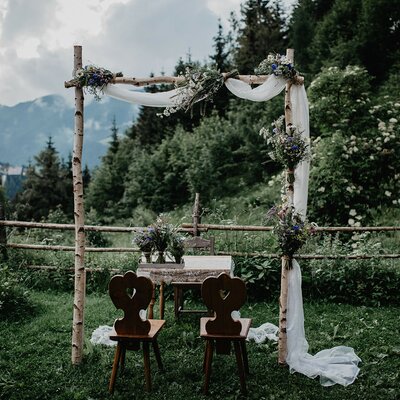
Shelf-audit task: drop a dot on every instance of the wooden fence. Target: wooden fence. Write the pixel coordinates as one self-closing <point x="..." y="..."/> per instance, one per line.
<point x="194" y="228"/>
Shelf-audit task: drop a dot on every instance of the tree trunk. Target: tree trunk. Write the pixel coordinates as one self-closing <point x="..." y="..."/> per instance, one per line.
<point x="80" y="273"/>
<point x="285" y="271"/>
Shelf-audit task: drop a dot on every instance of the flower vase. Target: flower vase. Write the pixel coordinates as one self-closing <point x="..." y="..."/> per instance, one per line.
<point x="178" y="259"/>
<point x="161" y="258"/>
<point x="147" y="256"/>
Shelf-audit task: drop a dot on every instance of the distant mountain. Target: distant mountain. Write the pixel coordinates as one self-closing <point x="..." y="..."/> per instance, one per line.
<point x="26" y="127"/>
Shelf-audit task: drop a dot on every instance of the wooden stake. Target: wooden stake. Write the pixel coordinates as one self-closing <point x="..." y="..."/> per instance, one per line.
<point x="196" y="214"/>
<point x="80" y="273"/>
<point x="286" y="262"/>
<point x="3" y="233"/>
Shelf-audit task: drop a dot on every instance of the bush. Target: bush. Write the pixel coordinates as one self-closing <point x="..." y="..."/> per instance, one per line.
<point x="14" y="298"/>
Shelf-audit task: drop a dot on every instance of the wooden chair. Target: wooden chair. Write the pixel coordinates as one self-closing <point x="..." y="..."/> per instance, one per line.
<point x="133" y="294"/>
<point x="224" y="295"/>
<point x="196" y="243"/>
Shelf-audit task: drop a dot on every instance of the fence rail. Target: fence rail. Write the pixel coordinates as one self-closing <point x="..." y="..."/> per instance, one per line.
<point x="190" y="228"/>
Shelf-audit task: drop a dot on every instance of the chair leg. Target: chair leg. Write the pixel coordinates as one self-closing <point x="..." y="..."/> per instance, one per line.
<point x="178" y="300"/>
<point x="244" y="356"/>
<point x="157" y="354"/>
<point x="239" y="361"/>
<point x="208" y="362"/>
<point x="146" y="362"/>
<point x="115" y="368"/>
<point x="122" y="358"/>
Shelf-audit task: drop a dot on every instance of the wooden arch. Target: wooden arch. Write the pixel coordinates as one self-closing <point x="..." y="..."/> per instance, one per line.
<point x="79" y="217"/>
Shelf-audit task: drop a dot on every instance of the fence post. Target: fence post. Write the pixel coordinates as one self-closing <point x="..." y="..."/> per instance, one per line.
<point x="196" y="215"/>
<point x="3" y="234"/>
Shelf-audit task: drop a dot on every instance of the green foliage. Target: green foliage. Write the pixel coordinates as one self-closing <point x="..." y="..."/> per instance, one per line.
<point x="355" y="165"/>
<point x="261" y="29"/>
<point x="15" y="302"/>
<point x="48" y="184"/>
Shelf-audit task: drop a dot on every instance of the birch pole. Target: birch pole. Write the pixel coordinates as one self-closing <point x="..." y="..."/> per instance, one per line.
<point x="80" y="272"/>
<point x="286" y="261"/>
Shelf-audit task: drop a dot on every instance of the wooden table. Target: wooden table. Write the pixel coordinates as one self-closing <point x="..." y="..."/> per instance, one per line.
<point x="193" y="270"/>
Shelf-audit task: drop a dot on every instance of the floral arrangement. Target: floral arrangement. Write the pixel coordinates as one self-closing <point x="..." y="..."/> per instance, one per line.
<point x="177" y="247"/>
<point x="143" y="239"/>
<point x="277" y="65"/>
<point x="160" y="233"/>
<point x="200" y="83"/>
<point x="291" y="228"/>
<point x="288" y="147"/>
<point x="94" y="79"/>
<point x="159" y="237"/>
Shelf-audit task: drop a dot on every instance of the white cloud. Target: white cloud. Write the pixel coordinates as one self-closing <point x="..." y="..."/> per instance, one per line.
<point x="133" y="36"/>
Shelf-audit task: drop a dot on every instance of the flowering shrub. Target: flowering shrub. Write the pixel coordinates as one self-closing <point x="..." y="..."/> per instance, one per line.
<point x="94" y="79"/>
<point x="277" y="65"/>
<point x="288" y="146"/>
<point x="355" y="171"/>
<point x="200" y="83"/>
<point x="291" y="229"/>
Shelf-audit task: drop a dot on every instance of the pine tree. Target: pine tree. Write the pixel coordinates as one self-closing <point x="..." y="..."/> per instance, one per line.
<point x="106" y="187"/>
<point x="48" y="185"/>
<point x="261" y="31"/>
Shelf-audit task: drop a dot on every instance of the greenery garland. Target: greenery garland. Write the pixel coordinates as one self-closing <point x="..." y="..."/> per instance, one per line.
<point x="278" y="65"/>
<point x="291" y="228"/>
<point x="288" y="147"/>
<point x="199" y="84"/>
<point x="93" y="79"/>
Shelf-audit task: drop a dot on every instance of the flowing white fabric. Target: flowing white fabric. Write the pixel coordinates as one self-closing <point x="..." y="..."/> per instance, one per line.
<point x="300" y="116"/>
<point x="269" y="89"/>
<point x="336" y="365"/>
<point x="159" y="99"/>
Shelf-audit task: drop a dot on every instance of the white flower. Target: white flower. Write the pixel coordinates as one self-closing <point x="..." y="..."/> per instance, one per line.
<point x="387" y="193"/>
<point x="357" y="224"/>
<point x="359" y="217"/>
<point x="393" y="120"/>
<point x="321" y="189"/>
<point x="351" y="221"/>
<point x="352" y="212"/>
<point x="355" y="149"/>
<point x="349" y="189"/>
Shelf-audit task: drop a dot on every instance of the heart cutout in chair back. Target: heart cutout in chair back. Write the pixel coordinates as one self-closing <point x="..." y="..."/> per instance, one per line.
<point x="131" y="291"/>
<point x="224" y="293"/>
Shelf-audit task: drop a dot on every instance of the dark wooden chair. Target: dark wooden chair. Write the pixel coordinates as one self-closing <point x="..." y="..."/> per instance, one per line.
<point x="224" y="295"/>
<point x="133" y="294"/>
<point x="196" y="244"/>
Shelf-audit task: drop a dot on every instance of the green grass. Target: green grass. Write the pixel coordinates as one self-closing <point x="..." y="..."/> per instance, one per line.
<point x="35" y="355"/>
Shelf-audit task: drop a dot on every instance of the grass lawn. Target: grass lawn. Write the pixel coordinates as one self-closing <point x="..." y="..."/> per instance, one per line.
<point x="35" y="355"/>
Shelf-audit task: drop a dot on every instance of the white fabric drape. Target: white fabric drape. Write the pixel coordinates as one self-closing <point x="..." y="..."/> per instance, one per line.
<point x="336" y="365"/>
<point x="269" y="89"/>
<point x="160" y="99"/>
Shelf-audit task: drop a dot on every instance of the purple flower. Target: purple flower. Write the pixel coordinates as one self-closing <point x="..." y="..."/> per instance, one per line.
<point x="296" y="228"/>
<point x="274" y="67"/>
<point x="295" y="147"/>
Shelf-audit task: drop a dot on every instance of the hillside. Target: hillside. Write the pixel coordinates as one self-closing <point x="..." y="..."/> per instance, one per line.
<point x="26" y="127"/>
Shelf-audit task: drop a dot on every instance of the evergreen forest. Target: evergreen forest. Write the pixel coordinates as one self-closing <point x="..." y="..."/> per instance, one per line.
<point x="349" y="54"/>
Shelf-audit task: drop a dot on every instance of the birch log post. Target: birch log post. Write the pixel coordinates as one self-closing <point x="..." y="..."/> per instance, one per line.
<point x="80" y="273"/>
<point x="286" y="262"/>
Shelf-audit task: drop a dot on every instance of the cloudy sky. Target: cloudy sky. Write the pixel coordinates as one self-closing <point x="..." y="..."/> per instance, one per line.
<point x="137" y="37"/>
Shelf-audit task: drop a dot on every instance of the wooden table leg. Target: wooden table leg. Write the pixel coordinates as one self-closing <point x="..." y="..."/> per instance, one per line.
<point x="152" y="301"/>
<point x="162" y="301"/>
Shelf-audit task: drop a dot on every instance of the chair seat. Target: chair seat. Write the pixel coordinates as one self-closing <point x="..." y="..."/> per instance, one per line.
<point x="246" y="322"/>
<point x="156" y="325"/>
